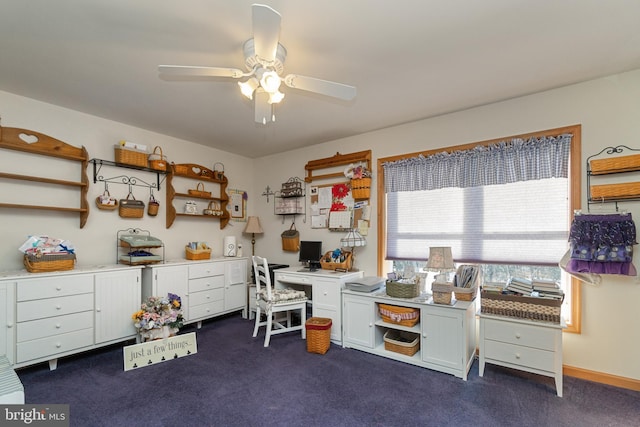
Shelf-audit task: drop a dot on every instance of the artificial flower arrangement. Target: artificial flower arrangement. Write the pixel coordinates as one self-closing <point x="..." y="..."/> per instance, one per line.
<point x="159" y="314"/>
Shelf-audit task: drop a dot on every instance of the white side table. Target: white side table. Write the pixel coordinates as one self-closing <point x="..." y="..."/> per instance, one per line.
<point x="526" y="345"/>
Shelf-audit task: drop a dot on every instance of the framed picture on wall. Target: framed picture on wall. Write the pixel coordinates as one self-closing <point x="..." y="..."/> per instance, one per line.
<point x="237" y="205"/>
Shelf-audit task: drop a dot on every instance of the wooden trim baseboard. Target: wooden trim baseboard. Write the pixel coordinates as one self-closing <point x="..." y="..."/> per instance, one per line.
<point x="600" y="377"/>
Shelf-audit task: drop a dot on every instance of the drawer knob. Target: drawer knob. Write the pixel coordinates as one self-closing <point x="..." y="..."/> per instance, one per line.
<point x="518" y="335"/>
<point x="58" y="325"/>
<point x="58" y="288"/>
<point x="371" y="325"/>
<point x="326" y="293"/>
<point x="517" y="355"/>
<point x="58" y="345"/>
<point x="58" y="307"/>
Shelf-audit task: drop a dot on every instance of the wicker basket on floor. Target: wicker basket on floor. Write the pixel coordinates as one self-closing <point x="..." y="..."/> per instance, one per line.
<point x="318" y="330"/>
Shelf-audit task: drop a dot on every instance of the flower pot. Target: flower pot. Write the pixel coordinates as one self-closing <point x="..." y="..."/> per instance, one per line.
<point x="157" y="333"/>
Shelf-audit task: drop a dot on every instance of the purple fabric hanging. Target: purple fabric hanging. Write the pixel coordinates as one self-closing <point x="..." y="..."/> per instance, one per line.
<point x="602" y="244"/>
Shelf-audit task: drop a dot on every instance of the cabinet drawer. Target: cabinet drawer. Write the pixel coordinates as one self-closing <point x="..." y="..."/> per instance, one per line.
<point x="50" y="346"/>
<point x="519" y="334"/>
<point x="519" y="355"/>
<point x="205" y="310"/>
<point x="206" y="283"/>
<point x="32" y="289"/>
<point x="204" y="297"/>
<point x="40" y="309"/>
<point x="206" y="269"/>
<point x="326" y="295"/>
<point x="41" y="328"/>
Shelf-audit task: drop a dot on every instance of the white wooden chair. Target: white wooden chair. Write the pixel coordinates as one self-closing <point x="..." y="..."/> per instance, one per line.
<point x="270" y="302"/>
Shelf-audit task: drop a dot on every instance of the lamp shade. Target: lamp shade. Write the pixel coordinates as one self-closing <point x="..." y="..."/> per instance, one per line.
<point x="440" y="259"/>
<point x="353" y="239"/>
<point x="253" y="225"/>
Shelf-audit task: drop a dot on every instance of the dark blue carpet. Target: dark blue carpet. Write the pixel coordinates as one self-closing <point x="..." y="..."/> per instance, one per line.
<point x="234" y="381"/>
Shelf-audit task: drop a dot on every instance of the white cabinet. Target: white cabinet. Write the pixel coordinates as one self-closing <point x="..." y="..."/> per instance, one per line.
<point x="324" y="288"/>
<point x="447" y="333"/>
<point x="522" y="344"/>
<point x="207" y="288"/>
<point x="117" y="297"/>
<point x="359" y="320"/>
<point x="7" y="321"/>
<point x="235" y="288"/>
<point x="63" y="313"/>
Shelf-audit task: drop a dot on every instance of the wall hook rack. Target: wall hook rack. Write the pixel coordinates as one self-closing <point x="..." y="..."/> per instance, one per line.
<point x="98" y="163"/>
<point x="127" y="180"/>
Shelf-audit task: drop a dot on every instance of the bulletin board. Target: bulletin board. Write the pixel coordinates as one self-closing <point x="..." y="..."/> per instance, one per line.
<point x="357" y="213"/>
<point x="237" y="205"/>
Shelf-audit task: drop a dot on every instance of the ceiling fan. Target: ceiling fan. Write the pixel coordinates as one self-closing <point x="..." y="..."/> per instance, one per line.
<point x="264" y="59"/>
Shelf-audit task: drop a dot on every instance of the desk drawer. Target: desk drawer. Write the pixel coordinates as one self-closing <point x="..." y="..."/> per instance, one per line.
<point x="31" y="310"/>
<point x="206" y="283"/>
<point x="292" y="278"/>
<point x="41" y="328"/>
<point x="206" y="310"/>
<point x="50" y="346"/>
<point x="49" y="287"/>
<point x="519" y="355"/>
<point x="206" y="269"/>
<point x="540" y="337"/>
<point x="326" y="295"/>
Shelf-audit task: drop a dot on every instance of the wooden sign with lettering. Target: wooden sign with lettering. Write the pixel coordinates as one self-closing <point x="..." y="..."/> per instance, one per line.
<point x="157" y="351"/>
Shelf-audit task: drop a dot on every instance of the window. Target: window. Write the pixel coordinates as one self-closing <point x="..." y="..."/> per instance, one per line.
<point x="512" y="219"/>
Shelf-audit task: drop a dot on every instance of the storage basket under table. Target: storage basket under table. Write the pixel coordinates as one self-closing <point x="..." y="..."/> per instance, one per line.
<point x="402" y="342"/>
<point x="402" y="290"/>
<point x="405" y="316"/>
<point x="521" y="307"/>
<point x="318" y="330"/>
<point x="46" y="263"/>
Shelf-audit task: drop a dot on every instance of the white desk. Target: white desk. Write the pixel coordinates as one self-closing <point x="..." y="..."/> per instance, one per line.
<point x="324" y="288"/>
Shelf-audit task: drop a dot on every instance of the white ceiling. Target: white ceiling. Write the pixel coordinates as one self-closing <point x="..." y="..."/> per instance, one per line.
<point x="409" y="59"/>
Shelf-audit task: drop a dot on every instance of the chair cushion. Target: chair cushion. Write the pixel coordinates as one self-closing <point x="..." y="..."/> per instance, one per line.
<point x="282" y="295"/>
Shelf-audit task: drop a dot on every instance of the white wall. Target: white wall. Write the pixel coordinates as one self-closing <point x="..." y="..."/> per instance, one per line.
<point x="96" y="242"/>
<point x="608" y="110"/>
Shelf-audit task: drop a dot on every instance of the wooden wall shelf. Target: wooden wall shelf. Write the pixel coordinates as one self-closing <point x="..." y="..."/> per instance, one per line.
<point x="32" y="142"/>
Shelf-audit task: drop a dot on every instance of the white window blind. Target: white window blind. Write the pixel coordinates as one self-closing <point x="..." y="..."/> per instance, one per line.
<point x="517" y="223"/>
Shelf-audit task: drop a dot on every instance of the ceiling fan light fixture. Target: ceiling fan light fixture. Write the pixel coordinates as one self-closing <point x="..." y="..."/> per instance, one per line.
<point x="270" y="81"/>
<point x="275" y="97"/>
<point x="248" y="87"/>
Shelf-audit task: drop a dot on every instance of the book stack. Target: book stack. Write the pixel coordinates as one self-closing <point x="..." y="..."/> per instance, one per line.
<point x="520" y="286"/>
<point x="547" y="289"/>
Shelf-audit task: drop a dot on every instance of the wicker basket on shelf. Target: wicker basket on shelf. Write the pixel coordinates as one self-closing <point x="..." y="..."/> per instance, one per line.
<point x="46" y="263"/>
<point x="402" y="290"/>
<point x="129" y="156"/>
<point x="401" y="342"/>
<point x="157" y="159"/>
<point x="442" y="292"/>
<point x="405" y="316"/>
<point x="197" y="254"/>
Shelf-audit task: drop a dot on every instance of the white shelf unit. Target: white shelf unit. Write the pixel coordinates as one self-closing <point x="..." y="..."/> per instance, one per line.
<point x="447" y="332"/>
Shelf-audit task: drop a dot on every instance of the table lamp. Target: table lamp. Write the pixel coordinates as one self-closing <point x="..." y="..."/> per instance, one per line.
<point x="441" y="261"/>
<point x="253" y="227"/>
<point x="351" y="240"/>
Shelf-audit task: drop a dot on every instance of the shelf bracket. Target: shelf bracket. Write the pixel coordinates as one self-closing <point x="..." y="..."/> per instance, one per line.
<point x="131" y="180"/>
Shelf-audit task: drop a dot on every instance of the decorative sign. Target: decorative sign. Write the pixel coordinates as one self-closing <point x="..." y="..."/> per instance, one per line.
<point x="157" y="351"/>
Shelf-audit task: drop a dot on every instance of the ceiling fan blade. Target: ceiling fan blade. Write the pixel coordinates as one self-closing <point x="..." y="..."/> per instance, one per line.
<point x="324" y="87"/>
<point x="263" y="110"/>
<point x="184" y="70"/>
<point x="266" y="31"/>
